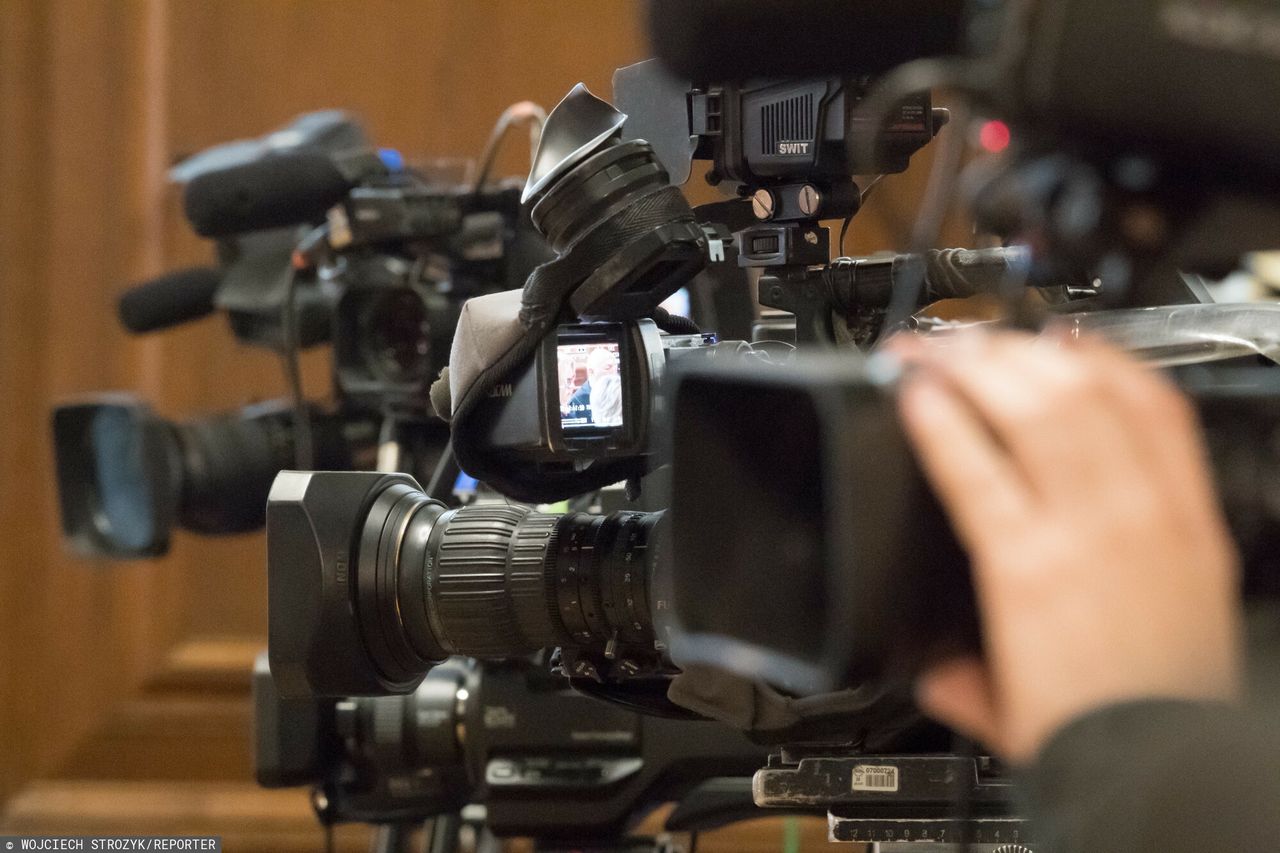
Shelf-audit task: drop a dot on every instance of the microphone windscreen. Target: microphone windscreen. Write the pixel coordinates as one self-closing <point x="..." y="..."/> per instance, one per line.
<point x="277" y="191"/>
<point x="169" y="300"/>
<point x="709" y="41"/>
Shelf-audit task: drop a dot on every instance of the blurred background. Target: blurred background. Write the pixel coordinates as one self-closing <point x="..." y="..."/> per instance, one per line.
<point x="124" y="686"/>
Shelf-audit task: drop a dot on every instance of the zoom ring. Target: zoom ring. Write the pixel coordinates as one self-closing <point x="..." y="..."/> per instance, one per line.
<point x="488" y="580"/>
<point x="529" y="550"/>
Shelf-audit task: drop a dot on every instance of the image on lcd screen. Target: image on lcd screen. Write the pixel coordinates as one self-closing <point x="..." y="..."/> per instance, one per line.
<point x="590" y="382"/>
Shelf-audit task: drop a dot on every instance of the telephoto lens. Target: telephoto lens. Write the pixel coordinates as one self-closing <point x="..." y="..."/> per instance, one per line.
<point x="371" y="582"/>
<point x="126" y="475"/>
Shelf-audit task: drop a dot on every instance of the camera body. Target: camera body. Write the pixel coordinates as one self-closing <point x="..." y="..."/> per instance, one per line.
<point x="404" y="258"/>
<point x="545" y="761"/>
<point x="589" y="394"/>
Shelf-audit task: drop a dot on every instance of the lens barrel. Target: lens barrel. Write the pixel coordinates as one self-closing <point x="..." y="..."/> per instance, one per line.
<point x="126" y="476"/>
<point x="405" y="734"/>
<point x="496" y="581"/>
<point x="489" y="581"/>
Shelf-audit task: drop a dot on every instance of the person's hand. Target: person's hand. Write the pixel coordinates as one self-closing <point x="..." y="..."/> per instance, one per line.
<point x="1076" y="480"/>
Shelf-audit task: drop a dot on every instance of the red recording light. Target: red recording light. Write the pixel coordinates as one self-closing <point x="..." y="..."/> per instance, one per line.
<point x="995" y="136"/>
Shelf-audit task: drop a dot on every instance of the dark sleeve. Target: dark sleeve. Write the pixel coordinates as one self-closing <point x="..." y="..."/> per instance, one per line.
<point x="1160" y="776"/>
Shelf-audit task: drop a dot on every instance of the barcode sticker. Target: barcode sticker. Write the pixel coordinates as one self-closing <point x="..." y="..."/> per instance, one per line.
<point x="875" y="777"/>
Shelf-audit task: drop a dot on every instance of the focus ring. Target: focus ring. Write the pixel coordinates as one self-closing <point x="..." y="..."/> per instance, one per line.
<point x="479" y="590"/>
<point x="529" y="548"/>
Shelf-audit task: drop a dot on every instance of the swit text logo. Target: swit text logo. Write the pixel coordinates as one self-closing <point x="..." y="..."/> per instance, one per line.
<point x="1235" y="28"/>
<point x="793" y="147"/>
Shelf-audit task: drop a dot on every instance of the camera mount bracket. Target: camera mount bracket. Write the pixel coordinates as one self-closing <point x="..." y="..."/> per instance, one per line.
<point x="901" y="802"/>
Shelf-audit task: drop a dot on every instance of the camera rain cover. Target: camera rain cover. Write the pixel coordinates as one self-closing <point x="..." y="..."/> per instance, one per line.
<point x="492" y="347"/>
<point x="487" y="330"/>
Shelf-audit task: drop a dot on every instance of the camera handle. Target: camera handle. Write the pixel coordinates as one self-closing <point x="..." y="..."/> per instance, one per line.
<point x="902" y="803"/>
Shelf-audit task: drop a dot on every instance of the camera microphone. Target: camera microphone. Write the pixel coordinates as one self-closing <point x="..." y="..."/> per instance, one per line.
<point x="744" y="39"/>
<point x="169" y="300"/>
<point x="277" y="191"/>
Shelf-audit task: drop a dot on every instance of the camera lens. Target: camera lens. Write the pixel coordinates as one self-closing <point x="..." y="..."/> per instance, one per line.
<point x="126" y="476"/>
<point x="124" y="512"/>
<point x="596" y="189"/>
<point x="407" y="734"/>
<point x="396" y="336"/>
<point x="496" y="581"/>
<point x="372" y="582"/>
<point x="377" y="759"/>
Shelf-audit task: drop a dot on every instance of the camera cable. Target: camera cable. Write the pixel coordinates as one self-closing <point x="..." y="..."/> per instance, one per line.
<point x="969" y="77"/>
<point x="523" y="111"/>
<point x="440" y="486"/>
<point x="291" y="356"/>
<point x="862" y="197"/>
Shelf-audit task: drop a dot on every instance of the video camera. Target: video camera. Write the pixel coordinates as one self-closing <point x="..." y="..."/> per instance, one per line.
<point x="544" y="761"/>
<point x="126" y="475"/>
<point x="320" y="239"/>
<point x="551" y="391"/>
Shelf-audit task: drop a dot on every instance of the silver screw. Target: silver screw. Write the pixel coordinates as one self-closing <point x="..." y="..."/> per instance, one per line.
<point x="810" y="200"/>
<point x="762" y="205"/>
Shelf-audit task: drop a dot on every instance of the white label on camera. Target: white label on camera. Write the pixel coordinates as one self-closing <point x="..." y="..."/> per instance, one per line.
<point x="875" y="777"/>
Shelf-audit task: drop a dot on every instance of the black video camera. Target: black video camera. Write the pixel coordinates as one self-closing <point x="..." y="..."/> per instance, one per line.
<point x="404" y="259"/>
<point x="543" y="760"/>
<point x="126" y="476"/>
<point x="603" y="191"/>
<point x="383" y="278"/>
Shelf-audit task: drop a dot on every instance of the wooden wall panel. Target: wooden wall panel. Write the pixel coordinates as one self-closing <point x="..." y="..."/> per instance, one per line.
<point x="123" y="685"/>
<point x="76" y="637"/>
